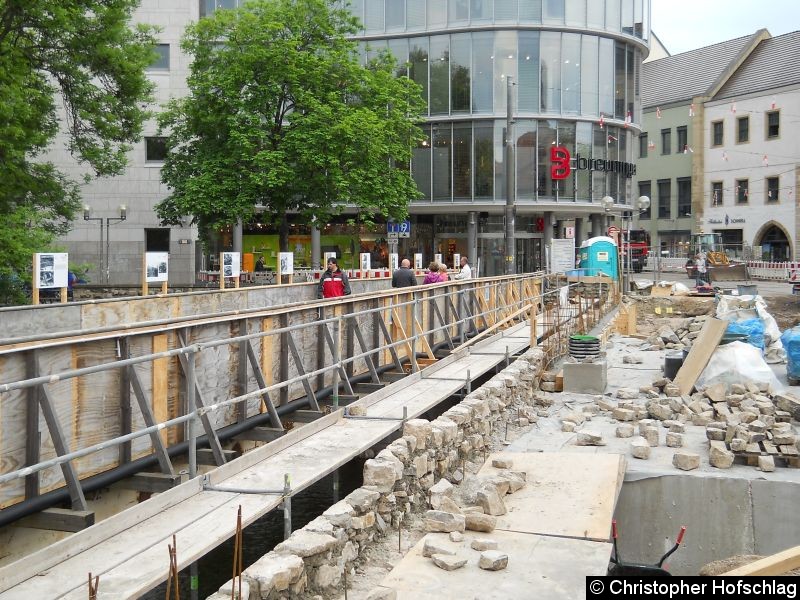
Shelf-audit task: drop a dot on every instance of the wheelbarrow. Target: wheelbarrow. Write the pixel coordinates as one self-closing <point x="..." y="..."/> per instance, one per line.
<point x="620" y="568"/>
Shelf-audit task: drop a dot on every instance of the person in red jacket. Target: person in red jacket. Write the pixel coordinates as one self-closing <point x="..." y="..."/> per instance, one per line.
<point x="333" y="282"/>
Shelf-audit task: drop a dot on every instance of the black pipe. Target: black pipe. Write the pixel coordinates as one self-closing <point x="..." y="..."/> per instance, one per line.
<point x="101" y="480"/>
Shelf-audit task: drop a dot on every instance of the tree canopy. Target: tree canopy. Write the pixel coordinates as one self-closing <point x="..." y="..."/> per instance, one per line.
<point x="281" y="115"/>
<point x="70" y="64"/>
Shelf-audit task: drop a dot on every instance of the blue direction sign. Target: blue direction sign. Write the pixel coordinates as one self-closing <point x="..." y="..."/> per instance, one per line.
<point x="402" y="229"/>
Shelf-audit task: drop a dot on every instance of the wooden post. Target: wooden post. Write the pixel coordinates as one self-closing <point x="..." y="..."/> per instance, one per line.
<point x="161" y="384"/>
<point x="145" y="286"/>
<point x="63" y="295"/>
<point x="534" y="339"/>
<point x="164" y="287"/>
<point x="34" y="284"/>
<point x="221" y="271"/>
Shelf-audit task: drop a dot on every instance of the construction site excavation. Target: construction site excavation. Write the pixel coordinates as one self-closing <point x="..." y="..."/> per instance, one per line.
<point x="501" y="437"/>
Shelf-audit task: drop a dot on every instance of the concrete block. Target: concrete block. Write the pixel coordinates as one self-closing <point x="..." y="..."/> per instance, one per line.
<point x="585" y="378"/>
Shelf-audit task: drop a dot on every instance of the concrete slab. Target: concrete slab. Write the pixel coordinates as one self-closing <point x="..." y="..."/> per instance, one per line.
<point x="566" y="494"/>
<point x="538" y="567"/>
<point x="585" y="378"/>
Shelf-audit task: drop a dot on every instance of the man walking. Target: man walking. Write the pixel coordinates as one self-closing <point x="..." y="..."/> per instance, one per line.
<point x="333" y="282"/>
<point x="404" y="276"/>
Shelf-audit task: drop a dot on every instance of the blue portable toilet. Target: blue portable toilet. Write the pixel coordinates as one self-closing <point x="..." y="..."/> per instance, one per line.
<point x="598" y="255"/>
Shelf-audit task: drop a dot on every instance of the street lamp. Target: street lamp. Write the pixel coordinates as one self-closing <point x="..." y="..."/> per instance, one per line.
<point x="607" y="203"/>
<point x="105" y="234"/>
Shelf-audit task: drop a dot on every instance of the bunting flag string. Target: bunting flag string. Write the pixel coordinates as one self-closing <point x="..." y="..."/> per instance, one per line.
<point x="773" y="104"/>
<point x="658" y="112"/>
<point x="602" y="121"/>
<point x="687" y="149"/>
<point x="733" y="107"/>
<point x="765" y="160"/>
<point x="691" y="109"/>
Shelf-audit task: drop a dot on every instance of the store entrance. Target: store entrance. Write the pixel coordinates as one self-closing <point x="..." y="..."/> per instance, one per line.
<point x="491" y="252"/>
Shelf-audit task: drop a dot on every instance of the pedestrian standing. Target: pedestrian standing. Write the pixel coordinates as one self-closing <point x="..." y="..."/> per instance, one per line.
<point x="333" y="282"/>
<point x="404" y="276"/>
<point x="432" y="276"/>
<point x="700" y="270"/>
<point x="466" y="271"/>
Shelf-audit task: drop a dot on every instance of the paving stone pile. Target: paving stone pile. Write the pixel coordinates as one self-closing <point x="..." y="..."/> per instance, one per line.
<point x="679" y="334"/>
<point x="748" y="419"/>
<point x="418" y="472"/>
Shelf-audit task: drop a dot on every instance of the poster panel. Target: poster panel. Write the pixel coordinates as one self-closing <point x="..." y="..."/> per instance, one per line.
<point x="456" y="261"/>
<point x="418" y="261"/>
<point x="231" y="264"/>
<point x="286" y="263"/>
<point x="366" y="261"/>
<point x="157" y="266"/>
<point x="562" y="255"/>
<point x="394" y="261"/>
<point x="52" y="270"/>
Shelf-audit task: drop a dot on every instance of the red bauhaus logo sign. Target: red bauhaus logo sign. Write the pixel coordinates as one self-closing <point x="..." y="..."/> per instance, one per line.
<point x="564" y="164"/>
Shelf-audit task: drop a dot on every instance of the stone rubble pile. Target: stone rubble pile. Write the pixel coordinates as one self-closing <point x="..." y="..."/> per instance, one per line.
<point x="736" y="419"/>
<point x="416" y="472"/>
<point x="679" y="334"/>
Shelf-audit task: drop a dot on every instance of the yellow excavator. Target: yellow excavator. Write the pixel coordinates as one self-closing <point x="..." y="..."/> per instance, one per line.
<point x="719" y="266"/>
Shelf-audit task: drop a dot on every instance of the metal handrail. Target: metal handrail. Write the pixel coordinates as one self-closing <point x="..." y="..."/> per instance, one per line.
<point x="193" y="349"/>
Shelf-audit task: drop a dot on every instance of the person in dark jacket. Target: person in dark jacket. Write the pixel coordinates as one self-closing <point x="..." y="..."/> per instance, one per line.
<point x="333" y="282"/>
<point x="404" y="276"/>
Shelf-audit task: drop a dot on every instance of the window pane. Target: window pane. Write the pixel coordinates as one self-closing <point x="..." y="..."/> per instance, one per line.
<point x="664" y="199"/>
<point x="421" y="163"/>
<point x="576" y="12"/>
<point x="499" y="161"/>
<point x="637" y="17"/>
<point x="505" y="11"/>
<point x="418" y="64"/>
<point x="743" y="133"/>
<point x="643" y="145"/>
<point x="484" y="160"/>
<point x="440" y="74"/>
<point x="399" y="49"/>
<point x="553" y="12"/>
<point x="505" y="65"/>
<point x="630" y="82"/>
<point x="588" y="70"/>
<point x="481" y="11"/>
<point x="459" y="73"/>
<point x="600" y="147"/>
<point x="619" y="81"/>
<point x="742" y="191"/>
<point x="606" y="63"/>
<point x="612" y="148"/>
<point x="666" y="141"/>
<point x="583" y="148"/>
<point x="161" y="63"/>
<point x="437" y="13"/>
<point x="595" y="14"/>
<point x="627" y="16"/>
<point x="551" y="72"/>
<point x="462" y="161"/>
<point x="483" y="67"/>
<point x="683" y="142"/>
<point x="773" y="124"/>
<point x="530" y="11"/>
<point x="528" y="66"/>
<point x="441" y="161"/>
<point x="773" y="186"/>
<point x="156" y="240"/>
<point x="571" y="73"/>
<point x="566" y="138"/>
<point x="415" y="14"/>
<point x="547" y="138"/>
<point x="459" y="11"/>
<point x="716" y="136"/>
<point x="685" y="197"/>
<point x="716" y="194"/>
<point x="612" y="15"/>
<point x="373" y="19"/>
<point x="396" y="15"/>
<point x="526" y="160"/>
<point x="155" y="149"/>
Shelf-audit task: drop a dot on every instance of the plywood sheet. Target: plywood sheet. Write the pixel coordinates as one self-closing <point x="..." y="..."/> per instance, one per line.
<point x="567" y="494"/>
<point x="700" y="354"/>
<point x="538" y="567"/>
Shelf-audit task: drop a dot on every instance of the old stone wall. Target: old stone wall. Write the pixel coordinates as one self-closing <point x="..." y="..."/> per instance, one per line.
<point x="397" y="481"/>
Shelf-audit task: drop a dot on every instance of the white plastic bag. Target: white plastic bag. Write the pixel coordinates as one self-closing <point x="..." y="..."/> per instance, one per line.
<point x="737" y="362"/>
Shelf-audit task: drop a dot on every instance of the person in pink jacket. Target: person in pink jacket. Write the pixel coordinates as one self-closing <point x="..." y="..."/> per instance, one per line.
<point x="432" y="276"/>
<point x="443" y="276"/>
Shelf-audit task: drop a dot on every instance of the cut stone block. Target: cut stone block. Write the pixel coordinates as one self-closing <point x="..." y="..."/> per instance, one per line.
<point x="493" y="560"/>
<point x="585" y="378"/>
<point x="766" y="464"/>
<point x="686" y="461"/>
<point x="480" y="522"/>
<point x="437" y="520"/>
<point x="490" y="501"/>
<point x="640" y="448"/>
<point x="434" y="544"/>
<point x="448" y="562"/>
<point x="625" y="431"/>
<point x="589" y="438"/>
<point x="720" y="457"/>
<point x="482" y="544"/>
<point x="674" y="440"/>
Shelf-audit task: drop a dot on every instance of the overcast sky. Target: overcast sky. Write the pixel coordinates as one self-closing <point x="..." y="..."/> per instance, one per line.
<point x="683" y="25"/>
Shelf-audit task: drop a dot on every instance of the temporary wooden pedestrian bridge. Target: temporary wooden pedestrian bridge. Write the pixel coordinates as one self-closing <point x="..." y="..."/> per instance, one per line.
<point x="118" y="400"/>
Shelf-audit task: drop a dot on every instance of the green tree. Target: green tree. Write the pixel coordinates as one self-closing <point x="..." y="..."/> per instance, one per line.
<point x="282" y="115"/>
<point x="75" y="63"/>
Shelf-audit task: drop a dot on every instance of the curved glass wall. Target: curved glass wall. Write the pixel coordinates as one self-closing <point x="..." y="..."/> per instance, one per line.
<point x="463" y="161"/>
<point x="627" y="17"/>
<point x="556" y="73"/>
